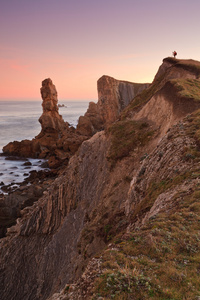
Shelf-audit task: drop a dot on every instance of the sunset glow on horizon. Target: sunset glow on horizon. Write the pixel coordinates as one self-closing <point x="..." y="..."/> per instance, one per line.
<point x="76" y="42"/>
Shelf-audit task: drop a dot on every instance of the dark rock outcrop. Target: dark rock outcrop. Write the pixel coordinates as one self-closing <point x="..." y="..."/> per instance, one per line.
<point x="28" y="192"/>
<point x="55" y="224"/>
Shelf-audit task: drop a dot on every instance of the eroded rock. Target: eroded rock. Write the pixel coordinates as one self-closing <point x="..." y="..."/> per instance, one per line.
<point x="113" y="96"/>
<point x="92" y="201"/>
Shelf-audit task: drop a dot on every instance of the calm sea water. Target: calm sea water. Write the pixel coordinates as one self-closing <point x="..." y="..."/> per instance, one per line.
<point x="19" y="121"/>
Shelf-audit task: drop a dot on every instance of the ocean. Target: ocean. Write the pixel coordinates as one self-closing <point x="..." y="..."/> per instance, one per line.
<point x="19" y="121"/>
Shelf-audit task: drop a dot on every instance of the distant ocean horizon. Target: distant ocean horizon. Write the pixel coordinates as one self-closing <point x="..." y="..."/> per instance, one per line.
<point x="19" y="121"/>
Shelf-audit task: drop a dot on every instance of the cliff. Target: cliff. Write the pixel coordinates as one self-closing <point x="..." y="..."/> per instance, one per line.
<point x="126" y="206"/>
<point x="57" y="141"/>
<point x="113" y="96"/>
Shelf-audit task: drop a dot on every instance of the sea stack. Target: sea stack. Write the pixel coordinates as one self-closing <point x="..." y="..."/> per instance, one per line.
<point x="131" y="191"/>
<point x="58" y="141"/>
<point x="50" y="120"/>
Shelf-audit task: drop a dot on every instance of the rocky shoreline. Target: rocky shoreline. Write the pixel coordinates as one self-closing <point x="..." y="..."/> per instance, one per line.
<point x="123" y="189"/>
<point x="57" y="142"/>
<point x="16" y="196"/>
<point x="17" y="170"/>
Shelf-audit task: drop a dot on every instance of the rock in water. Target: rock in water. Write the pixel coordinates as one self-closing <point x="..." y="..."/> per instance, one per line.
<point x="101" y="201"/>
<point x="57" y="141"/>
<point x="50" y="120"/>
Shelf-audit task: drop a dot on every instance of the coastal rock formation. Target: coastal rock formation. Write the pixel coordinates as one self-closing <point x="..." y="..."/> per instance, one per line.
<point x="113" y="96"/>
<point x="170" y="97"/>
<point x="91" y="122"/>
<point x="169" y="107"/>
<point x="50" y="120"/>
<point x="160" y="192"/>
<point x="178" y="68"/>
<point x="52" y="127"/>
<point x="57" y="141"/>
<point x="12" y="202"/>
<point x="50" y="221"/>
<point x="121" y="200"/>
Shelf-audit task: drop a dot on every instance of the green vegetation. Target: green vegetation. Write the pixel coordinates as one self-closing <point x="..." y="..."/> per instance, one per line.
<point x="160" y="260"/>
<point x="191" y="154"/>
<point x="193" y="126"/>
<point x="126" y="136"/>
<point x="190" y="65"/>
<point x="189" y="88"/>
<point x="191" y="85"/>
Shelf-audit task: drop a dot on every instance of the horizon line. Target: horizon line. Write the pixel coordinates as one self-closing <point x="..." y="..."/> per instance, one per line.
<point x="40" y="100"/>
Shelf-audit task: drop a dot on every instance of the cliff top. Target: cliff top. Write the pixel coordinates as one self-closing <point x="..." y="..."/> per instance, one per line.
<point x="126" y="208"/>
<point x="186" y="64"/>
<point x="104" y="77"/>
<point x="183" y="74"/>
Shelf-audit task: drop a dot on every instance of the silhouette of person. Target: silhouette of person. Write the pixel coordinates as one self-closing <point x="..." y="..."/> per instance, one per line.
<point x="174" y="53"/>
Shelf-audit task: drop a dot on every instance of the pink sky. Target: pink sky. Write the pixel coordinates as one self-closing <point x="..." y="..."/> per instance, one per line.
<point x="75" y="42"/>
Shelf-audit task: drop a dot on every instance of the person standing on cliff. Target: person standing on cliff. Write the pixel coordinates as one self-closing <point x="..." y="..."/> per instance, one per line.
<point x="174" y="53"/>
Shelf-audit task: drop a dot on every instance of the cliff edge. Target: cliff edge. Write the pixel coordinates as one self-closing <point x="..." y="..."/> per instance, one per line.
<point x="57" y="141"/>
<point x="121" y="220"/>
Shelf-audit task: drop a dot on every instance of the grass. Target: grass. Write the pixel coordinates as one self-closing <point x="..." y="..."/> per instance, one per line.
<point x="193" y="126"/>
<point x="159" y="261"/>
<point x="192" y="85"/>
<point x="189" y="88"/>
<point x="126" y="136"/>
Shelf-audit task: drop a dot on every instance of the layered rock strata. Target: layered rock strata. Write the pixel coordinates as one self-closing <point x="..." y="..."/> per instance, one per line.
<point x="57" y="141"/>
<point x="50" y="120"/>
<point x="113" y="96"/>
<point x="94" y="199"/>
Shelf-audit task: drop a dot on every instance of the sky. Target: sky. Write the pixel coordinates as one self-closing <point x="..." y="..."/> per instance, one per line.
<point x="75" y="42"/>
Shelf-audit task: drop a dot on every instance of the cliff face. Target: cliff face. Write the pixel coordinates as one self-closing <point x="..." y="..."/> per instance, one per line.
<point x="113" y="96"/>
<point x="57" y="142"/>
<point x="161" y="227"/>
<point x="54" y="225"/>
<point x="118" y="181"/>
<point x="168" y="99"/>
<point x="116" y="95"/>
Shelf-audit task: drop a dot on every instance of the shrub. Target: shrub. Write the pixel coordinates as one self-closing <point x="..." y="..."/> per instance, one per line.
<point x="126" y="136"/>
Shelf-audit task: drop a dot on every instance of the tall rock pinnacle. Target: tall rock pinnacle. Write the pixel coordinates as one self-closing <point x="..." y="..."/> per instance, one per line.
<point x="50" y="120"/>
